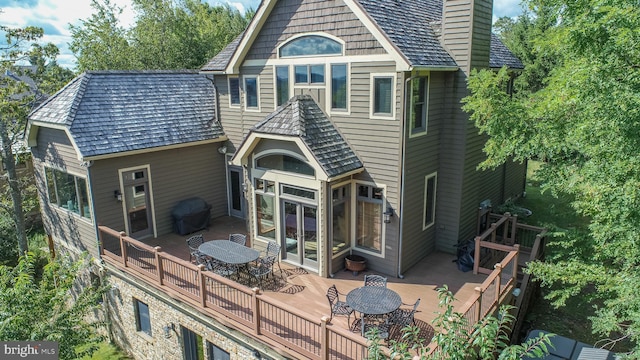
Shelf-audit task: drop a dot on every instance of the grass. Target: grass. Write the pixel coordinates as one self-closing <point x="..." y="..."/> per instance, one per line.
<point x="556" y="213"/>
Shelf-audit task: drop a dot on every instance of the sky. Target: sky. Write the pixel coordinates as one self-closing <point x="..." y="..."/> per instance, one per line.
<point x="54" y="16"/>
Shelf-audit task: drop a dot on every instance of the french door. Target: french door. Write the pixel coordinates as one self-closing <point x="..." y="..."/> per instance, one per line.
<point x="300" y="233"/>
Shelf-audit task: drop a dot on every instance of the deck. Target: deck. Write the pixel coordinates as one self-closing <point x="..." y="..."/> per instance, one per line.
<point x="476" y="294"/>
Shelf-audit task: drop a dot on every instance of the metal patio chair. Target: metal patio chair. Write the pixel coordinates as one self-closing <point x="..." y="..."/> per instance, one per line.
<point x="238" y="239"/>
<point x="193" y="242"/>
<point x="375" y="280"/>
<point x="337" y="306"/>
<point x="262" y="269"/>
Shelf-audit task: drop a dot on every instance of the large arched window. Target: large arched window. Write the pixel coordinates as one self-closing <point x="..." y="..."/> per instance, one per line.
<point x="284" y="163"/>
<point x="310" y="45"/>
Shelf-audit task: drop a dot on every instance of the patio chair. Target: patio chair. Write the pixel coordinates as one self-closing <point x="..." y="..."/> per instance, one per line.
<point x="223" y="269"/>
<point x="403" y="317"/>
<point x="262" y="269"/>
<point x="273" y="249"/>
<point x="375" y="280"/>
<point x="202" y="259"/>
<point x="238" y="238"/>
<point x="193" y="242"/>
<point x="338" y="307"/>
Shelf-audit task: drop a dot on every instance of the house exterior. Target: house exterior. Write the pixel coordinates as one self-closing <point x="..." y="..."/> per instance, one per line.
<point x="333" y="127"/>
<point x="389" y="77"/>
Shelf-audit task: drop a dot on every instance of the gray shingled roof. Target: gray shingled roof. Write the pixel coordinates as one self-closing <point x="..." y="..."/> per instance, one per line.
<point x="501" y="56"/>
<point x="408" y="24"/>
<point x="220" y="61"/>
<point x="118" y="111"/>
<point x="302" y="117"/>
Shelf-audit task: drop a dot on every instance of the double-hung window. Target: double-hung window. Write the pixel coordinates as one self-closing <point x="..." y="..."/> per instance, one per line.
<point x="216" y="353"/>
<point x="369" y="202"/>
<point x="382" y="93"/>
<point x="429" y="215"/>
<point x="234" y="91"/>
<point x="419" y="104"/>
<point x="252" y="97"/>
<point x="143" y="320"/>
<point x="282" y="85"/>
<point x="339" y="87"/>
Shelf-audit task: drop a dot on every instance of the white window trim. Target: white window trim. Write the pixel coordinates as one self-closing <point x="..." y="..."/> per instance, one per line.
<point x="372" y="78"/>
<point x="60" y="208"/>
<point x="246" y="108"/>
<point x="385" y="205"/>
<point x="432" y="205"/>
<point x="412" y="131"/>
<point x="313" y="33"/>
<point x="329" y="91"/>
<point x="239" y="104"/>
<point x="350" y="245"/>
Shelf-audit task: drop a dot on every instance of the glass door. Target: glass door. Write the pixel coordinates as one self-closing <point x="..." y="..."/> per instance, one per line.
<point x="137" y="205"/>
<point x="236" y="194"/>
<point x="300" y="233"/>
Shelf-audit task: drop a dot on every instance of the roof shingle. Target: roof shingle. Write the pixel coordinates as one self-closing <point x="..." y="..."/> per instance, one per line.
<point x="302" y="117"/>
<point x="118" y="111"/>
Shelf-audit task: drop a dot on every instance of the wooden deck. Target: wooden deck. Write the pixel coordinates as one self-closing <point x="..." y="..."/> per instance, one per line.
<point x="302" y="287"/>
<point x="295" y="296"/>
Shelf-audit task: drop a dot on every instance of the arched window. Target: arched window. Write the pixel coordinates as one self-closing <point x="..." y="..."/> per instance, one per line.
<point x="311" y="45"/>
<point x="284" y="163"/>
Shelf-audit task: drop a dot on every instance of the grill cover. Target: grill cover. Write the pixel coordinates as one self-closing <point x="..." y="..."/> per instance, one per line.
<point x="191" y="215"/>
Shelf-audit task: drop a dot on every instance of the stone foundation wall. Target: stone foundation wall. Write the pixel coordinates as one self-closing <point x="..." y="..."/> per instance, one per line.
<point x="165" y="311"/>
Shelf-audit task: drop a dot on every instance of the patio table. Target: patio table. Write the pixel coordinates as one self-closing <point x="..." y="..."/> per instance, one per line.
<point x="229" y="252"/>
<point x="373" y="300"/>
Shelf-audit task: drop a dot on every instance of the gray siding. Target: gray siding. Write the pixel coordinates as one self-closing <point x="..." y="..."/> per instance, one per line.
<point x="72" y="230"/>
<point x="469" y="46"/>
<point x="175" y="175"/>
<point x="422" y="159"/>
<point x="291" y="17"/>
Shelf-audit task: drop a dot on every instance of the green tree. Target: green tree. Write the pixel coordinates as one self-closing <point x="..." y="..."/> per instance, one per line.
<point x="45" y="303"/>
<point x="20" y="91"/>
<point x="182" y="34"/>
<point x="455" y="338"/>
<point x="584" y="126"/>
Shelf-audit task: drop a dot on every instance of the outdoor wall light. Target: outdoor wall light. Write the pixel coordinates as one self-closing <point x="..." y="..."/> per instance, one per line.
<point x="256" y="354"/>
<point x="117" y="195"/>
<point x="222" y="149"/>
<point x="167" y="330"/>
<point x="387" y="215"/>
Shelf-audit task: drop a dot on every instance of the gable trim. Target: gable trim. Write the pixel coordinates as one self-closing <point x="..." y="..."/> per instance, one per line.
<point x="261" y="16"/>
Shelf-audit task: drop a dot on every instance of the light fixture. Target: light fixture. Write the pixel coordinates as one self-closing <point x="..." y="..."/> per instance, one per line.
<point x="387" y="215"/>
<point x="167" y="330"/>
<point x="117" y="195"/>
<point x="256" y="354"/>
<point x="222" y="149"/>
<point x="244" y="187"/>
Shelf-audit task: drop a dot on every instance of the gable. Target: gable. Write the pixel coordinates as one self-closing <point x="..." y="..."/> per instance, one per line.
<point x="293" y="17"/>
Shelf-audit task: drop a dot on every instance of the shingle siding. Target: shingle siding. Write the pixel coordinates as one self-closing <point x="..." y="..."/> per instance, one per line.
<point x="292" y="17"/>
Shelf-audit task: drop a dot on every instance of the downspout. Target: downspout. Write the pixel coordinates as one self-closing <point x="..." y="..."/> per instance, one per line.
<point x="402" y="181"/>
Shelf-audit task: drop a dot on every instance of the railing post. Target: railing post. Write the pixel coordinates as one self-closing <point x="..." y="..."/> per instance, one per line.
<point x="123" y="248"/>
<point x="498" y="267"/>
<point x="515" y="261"/>
<point x="476" y="256"/>
<point x="158" y="263"/>
<point x="256" y="310"/>
<point x="203" y="288"/>
<point x="494" y="228"/>
<point x="514" y="229"/>
<point x="324" y="342"/>
<point x="478" y="290"/>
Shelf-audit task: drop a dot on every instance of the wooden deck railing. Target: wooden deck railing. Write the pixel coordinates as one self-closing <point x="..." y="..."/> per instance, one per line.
<point x="266" y="318"/>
